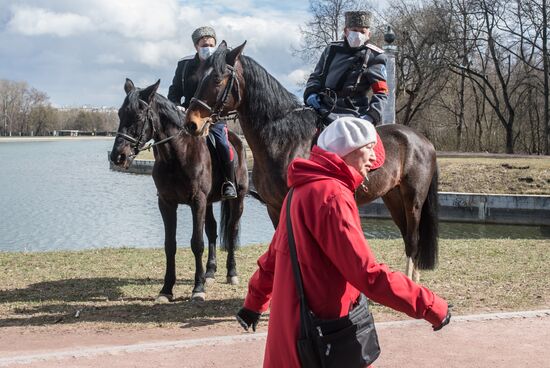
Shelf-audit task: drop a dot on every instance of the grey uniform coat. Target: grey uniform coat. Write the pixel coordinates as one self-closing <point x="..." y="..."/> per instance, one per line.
<point x="185" y="81"/>
<point x="351" y="73"/>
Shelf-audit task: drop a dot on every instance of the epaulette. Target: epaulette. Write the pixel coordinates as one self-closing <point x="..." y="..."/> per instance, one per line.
<point x="375" y="48"/>
<point x="189" y="57"/>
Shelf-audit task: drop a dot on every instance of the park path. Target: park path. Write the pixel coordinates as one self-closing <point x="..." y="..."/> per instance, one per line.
<point x="516" y="339"/>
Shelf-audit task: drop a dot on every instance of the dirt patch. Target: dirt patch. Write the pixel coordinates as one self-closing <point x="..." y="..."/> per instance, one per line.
<point x="467" y="341"/>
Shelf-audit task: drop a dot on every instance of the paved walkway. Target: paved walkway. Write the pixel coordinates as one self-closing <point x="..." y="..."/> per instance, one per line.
<point x="518" y="339"/>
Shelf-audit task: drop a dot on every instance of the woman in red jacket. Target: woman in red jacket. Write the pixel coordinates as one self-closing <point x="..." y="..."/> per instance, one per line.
<point x="335" y="260"/>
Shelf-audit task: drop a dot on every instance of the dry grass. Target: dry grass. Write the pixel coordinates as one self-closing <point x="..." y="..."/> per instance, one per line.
<point x="495" y="175"/>
<point x="116" y="287"/>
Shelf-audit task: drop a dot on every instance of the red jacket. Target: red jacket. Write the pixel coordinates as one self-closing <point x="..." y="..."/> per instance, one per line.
<point x="335" y="260"/>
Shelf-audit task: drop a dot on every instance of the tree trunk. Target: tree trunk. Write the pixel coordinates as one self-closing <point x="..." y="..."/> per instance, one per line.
<point x="546" y="71"/>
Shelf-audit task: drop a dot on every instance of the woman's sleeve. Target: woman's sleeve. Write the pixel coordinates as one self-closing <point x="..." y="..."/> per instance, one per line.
<point x="260" y="285"/>
<point x="339" y="232"/>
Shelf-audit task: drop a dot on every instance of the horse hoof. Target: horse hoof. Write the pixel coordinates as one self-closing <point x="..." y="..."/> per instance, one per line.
<point x="209" y="281"/>
<point x="198" y="297"/>
<point x="233" y="280"/>
<point x="164" y="299"/>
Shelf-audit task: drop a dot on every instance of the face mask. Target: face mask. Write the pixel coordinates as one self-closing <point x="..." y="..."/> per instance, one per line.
<point x="205" y="52"/>
<point x="356" y="39"/>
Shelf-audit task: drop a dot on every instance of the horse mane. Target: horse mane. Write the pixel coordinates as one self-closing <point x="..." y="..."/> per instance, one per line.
<point x="167" y="110"/>
<point x="274" y="112"/>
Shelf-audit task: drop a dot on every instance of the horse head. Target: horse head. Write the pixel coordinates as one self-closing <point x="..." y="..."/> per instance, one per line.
<point x="219" y="92"/>
<point x="136" y="123"/>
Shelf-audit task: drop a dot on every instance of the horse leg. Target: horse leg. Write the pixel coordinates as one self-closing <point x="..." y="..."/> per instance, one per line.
<point x="198" y="209"/>
<point x="231" y="214"/>
<point x="413" y="201"/>
<point x="394" y="203"/>
<point x="211" y="234"/>
<point x="168" y="212"/>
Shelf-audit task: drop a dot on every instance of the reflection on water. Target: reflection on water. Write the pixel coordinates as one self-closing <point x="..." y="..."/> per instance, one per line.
<point x="62" y="195"/>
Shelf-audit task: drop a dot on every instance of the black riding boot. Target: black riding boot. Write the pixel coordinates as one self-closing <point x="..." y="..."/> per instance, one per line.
<point x="229" y="191"/>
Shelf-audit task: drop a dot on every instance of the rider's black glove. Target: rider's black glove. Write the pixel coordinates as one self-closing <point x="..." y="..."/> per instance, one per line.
<point x="248" y="318"/>
<point x="445" y="321"/>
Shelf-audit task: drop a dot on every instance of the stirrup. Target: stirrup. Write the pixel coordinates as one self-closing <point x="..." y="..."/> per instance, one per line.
<point x="228" y="190"/>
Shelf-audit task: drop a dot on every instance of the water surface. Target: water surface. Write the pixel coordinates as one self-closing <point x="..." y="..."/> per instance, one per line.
<point x="61" y="195"/>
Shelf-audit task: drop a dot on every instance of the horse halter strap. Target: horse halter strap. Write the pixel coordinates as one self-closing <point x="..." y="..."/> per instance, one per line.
<point x="220" y="103"/>
<point x="136" y="142"/>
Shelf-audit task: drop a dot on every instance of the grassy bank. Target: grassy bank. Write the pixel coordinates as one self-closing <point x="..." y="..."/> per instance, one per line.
<point x="116" y="287"/>
<point x="494" y="175"/>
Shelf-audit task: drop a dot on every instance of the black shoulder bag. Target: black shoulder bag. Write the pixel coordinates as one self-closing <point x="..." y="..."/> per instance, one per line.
<point x="350" y="341"/>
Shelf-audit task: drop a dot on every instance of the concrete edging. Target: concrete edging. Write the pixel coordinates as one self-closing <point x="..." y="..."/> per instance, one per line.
<point x="512" y="209"/>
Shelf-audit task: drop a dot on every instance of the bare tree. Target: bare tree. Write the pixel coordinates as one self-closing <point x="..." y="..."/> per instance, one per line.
<point x="527" y="23"/>
<point x="494" y="70"/>
<point x="12" y="101"/>
<point x="423" y="43"/>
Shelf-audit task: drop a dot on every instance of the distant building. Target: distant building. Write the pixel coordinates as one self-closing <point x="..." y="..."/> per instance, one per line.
<point x="65" y="133"/>
<point x="89" y="108"/>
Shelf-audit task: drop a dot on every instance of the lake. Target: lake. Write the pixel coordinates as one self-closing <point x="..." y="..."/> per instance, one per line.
<point x="61" y="195"/>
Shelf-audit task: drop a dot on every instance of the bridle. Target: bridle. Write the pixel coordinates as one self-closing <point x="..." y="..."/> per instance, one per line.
<point x="221" y="100"/>
<point x="136" y="143"/>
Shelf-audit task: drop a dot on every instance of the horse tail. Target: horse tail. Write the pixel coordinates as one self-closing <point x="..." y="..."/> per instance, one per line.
<point x="429" y="227"/>
<point x="229" y="230"/>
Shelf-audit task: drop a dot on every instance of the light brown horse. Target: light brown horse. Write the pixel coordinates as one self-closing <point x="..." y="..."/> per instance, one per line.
<point x="278" y="129"/>
<point x="184" y="173"/>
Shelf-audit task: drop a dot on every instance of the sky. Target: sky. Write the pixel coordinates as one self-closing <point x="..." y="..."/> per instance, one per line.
<point x="79" y="52"/>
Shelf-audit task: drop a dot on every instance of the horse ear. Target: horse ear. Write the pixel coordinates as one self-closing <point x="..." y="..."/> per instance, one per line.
<point x="148" y="93"/>
<point x="234" y="54"/>
<point x="129" y="86"/>
<point x="223" y="45"/>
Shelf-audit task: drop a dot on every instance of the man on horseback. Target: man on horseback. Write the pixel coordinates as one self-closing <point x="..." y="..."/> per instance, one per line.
<point x="347" y="70"/>
<point x="185" y="84"/>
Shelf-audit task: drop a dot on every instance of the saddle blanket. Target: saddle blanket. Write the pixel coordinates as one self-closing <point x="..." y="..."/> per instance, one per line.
<point x="380" y="153"/>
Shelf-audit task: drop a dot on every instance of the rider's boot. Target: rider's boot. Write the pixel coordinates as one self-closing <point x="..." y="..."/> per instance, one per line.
<point x="229" y="191"/>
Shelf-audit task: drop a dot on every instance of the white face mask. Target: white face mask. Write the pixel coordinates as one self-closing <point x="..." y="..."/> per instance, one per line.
<point x="356" y="39"/>
<point x="205" y="52"/>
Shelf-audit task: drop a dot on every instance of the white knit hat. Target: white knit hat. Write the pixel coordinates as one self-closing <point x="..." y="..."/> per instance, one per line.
<point x="346" y="134"/>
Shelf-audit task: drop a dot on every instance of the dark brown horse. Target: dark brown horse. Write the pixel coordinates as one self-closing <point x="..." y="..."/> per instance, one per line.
<point x="278" y="129"/>
<point x="184" y="173"/>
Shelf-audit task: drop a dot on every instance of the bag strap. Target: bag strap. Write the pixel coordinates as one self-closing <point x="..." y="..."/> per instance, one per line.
<point x="305" y="316"/>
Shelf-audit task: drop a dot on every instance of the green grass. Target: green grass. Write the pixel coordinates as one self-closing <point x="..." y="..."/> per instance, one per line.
<point x="116" y="287"/>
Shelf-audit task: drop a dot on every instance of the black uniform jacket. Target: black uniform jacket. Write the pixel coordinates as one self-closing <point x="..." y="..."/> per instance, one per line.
<point x="351" y="73"/>
<point x="185" y="81"/>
